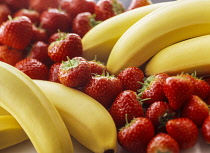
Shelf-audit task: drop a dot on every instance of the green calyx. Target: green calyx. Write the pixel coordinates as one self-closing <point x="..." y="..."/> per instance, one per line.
<point x="146" y="83"/>
<point x="93" y="22"/>
<point x="70" y="63"/>
<point x="117" y="7"/>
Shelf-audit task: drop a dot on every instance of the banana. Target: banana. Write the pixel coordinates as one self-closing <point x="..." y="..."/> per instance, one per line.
<point x="40" y="120"/>
<point x="11" y="132"/>
<point x="3" y="111"/>
<point x="163" y="27"/>
<point x="186" y="56"/>
<point x="100" y="40"/>
<point x="89" y="122"/>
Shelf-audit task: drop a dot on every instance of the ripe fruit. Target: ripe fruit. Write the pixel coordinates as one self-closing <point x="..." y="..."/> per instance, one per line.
<point x="39" y="34"/>
<point x="53" y="72"/>
<point x="97" y="68"/>
<point x="135" y="136"/>
<point x="74" y="72"/>
<point x="15" y="5"/>
<point x="205" y="130"/>
<point x="138" y="3"/>
<point x="178" y="90"/>
<point x="4" y="13"/>
<point x="126" y="107"/>
<point x="131" y="78"/>
<point x="33" y="68"/>
<point x="163" y="142"/>
<point x="16" y="33"/>
<point x="104" y="88"/>
<point x="184" y="131"/>
<point x="108" y="8"/>
<point x="39" y="6"/>
<point x="70" y="45"/>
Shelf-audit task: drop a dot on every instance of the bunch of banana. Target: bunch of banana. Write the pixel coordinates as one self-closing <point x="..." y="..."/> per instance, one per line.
<point x="87" y="120"/>
<point x="159" y="29"/>
<point x="40" y="120"/>
<point x="100" y="40"/>
<point x="3" y="111"/>
<point x="186" y="56"/>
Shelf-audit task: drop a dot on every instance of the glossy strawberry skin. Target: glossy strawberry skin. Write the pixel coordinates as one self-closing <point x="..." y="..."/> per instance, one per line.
<point x="184" y="131"/>
<point x="135" y="136"/>
<point x="162" y="142"/>
<point x="16" y="33"/>
<point x="39" y="6"/>
<point x="39" y="34"/>
<point x="126" y="105"/>
<point x="33" y="68"/>
<point x="15" y="5"/>
<point x="53" y="72"/>
<point x="205" y="130"/>
<point x="70" y="45"/>
<point x="96" y="67"/>
<point x="104" y="89"/>
<point x="196" y="110"/>
<point x="202" y="89"/>
<point x="138" y="3"/>
<point x="4" y="12"/>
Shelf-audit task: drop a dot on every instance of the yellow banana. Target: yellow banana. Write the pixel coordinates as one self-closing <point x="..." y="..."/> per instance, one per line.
<point x="186" y="56"/>
<point x="11" y="132"/>
<point x="89" y="122"/>
<point x="24" y="100"/>
<point x="100" y="40"/>
<point x="165" y="26"/>
<point x="3" y="111"/>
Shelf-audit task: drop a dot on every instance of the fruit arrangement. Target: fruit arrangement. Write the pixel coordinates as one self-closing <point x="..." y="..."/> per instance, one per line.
<point x="109" y="76"/>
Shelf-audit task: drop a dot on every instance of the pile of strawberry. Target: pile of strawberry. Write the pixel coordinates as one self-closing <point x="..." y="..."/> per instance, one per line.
<point x="158" y="113"/>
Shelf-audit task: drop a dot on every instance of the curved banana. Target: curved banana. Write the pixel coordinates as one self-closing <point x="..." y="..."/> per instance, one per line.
<point x="11" y="132"/>
<point x="3" y="111"/>
<point x="165" y="26"/>
<point x="24" y="100"/>
<point x="89" y="122"/>
<point x="186" y="56"/>
<point x="100" y="40"/>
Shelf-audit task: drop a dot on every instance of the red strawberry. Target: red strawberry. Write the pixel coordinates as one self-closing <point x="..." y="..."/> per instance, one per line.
<point x="134" y="137"/>
<point x="178" y="90"/>
<point x="205" y="130"/>
<point x="131" y="78"/>
<point x="71" y="6"/>
<point x="53" y="72"/>
<point x="41" y="6"/>
<point x="126" y="106"/>
<point x="4" y="13"/>
<point x="184" y="131"/>
<point x="70" y="45"/>
<point x="159" y="113"/>
<point x="16" y="33"/>
<point x="39" y="51"/>
<point x="163" y="142"/>
<point x="15" y="5"/>
<point x="54" y="19"/>
<point x="57" y="36"/>
<point x="39" y="34"/>
<point x="196" y="110"/>
<point x="31" y="14"/>
<point x="108" y="8"/>
<point x="152" y="88"/>
<point x="138" y="3"/>
<point x="33" y="68"/>
<point x="83" y="22"/>
<point x="104" y="88"/>
<point x="10" y="55"/>
<point x="97" y="67"/>
<point x="74" y="72"/>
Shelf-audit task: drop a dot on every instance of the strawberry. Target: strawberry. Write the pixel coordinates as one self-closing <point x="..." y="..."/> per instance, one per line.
<point x="9" y="55"/>
<point x="162" y="142"/>
<point x="39" y="34"/>
<point x="74" y="72"/>
<point x="39" y="51"/>
<point x="56" y="36"/>
<point x="15" y="5"/>
<point x="70" y="45"/>
<point x="41" y="6"/>
<point x="159" y="113"/>
<point x="184" y="131"/>
<point x="83" y="22"/>
<point x="104" y="88"/>
<point x="53" y="72"/>
<point x="33" y="68"/>
<point x="205" y="130"/>
<point x="134" y="137"/>
<point x="4" y="13"/>
<point x="31" y="14"/>
<point x="16" y="33"/>
<point x="71" y="6"/>
<point x="131" y="78"/>
<point x="196" y="110"/>
<point x="54" y="19"/>
<point x="108" y="8"/>
<point x="96" y="67"/>
<point x="152" y="88"/>
<point x="138" y="3"/>
<point x="178" y="90"/>
<point x="126" y="106"/>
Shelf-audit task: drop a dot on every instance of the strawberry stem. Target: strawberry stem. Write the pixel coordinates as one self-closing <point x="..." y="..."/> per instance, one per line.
<point x="70" y="63"/>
